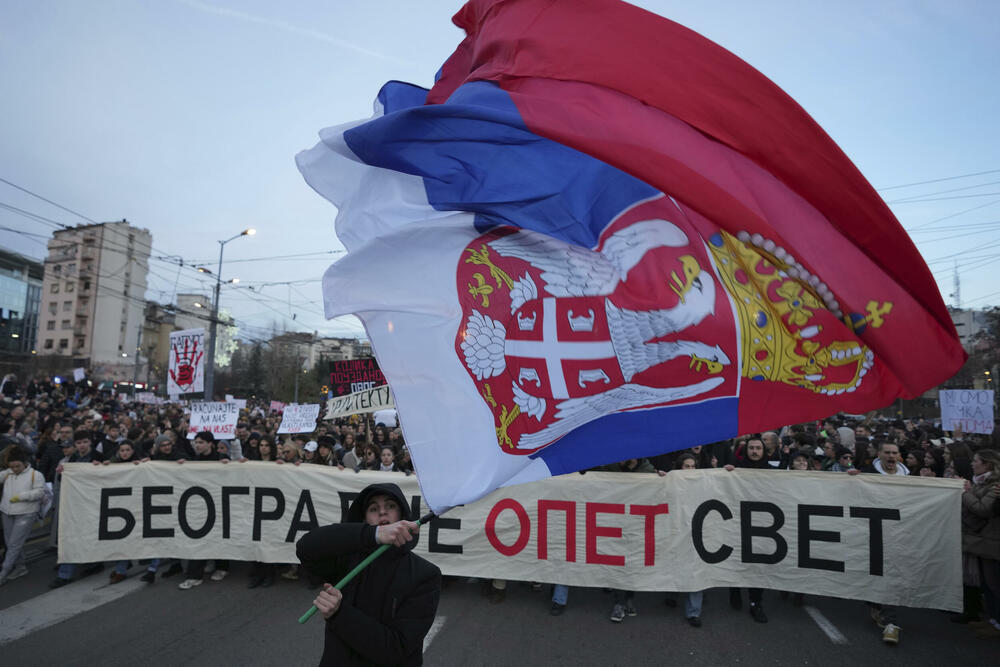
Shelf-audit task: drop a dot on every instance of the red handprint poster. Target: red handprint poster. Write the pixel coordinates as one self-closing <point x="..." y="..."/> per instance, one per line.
<point x="186" y="374"/>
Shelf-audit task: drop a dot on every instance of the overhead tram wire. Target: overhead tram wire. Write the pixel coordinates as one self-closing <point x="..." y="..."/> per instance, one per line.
<point x="47" y="201"/>
<point x="953" y="215"/>
<point x="68" y="210"/>
<point x="109" y="244"/>
<point x="918" y="201"/>
<point x="945" y="192"/>
<point x="938" y="180"/>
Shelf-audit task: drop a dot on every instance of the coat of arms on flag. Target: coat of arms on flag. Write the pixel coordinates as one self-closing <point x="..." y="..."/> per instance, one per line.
<point x="605" y="238"/>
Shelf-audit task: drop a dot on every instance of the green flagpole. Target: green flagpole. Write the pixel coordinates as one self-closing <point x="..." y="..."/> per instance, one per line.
<point x="360" y="566"/>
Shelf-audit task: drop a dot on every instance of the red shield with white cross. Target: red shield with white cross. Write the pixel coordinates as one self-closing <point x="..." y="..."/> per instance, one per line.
<point x="556" y="335"/>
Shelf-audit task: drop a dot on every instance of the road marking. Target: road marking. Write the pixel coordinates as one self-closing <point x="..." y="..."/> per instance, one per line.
<point x="435" y="628"/>
<point x="835" y="635"/>
<point x="58" y="605"/>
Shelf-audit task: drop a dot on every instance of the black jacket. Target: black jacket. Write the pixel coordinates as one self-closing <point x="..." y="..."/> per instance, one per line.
<point x="389" y="606"/>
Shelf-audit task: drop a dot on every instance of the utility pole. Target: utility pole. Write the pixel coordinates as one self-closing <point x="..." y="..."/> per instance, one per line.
<point x="138" y="347"/>
<point x="298" y="369"/>
<point x="214" y="323"/>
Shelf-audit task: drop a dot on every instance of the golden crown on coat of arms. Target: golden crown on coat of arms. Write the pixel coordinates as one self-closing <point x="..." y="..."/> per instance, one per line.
<point x="778" y="303"/>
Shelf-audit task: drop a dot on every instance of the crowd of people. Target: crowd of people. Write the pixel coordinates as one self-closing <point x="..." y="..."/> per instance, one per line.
<point x="44" y="425"/>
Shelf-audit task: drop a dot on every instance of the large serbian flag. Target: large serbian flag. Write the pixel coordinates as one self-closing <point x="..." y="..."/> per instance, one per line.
<point x="601" y="236"/>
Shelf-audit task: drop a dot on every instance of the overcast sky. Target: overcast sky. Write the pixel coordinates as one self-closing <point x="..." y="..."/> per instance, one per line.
<point x="184" y="117"/>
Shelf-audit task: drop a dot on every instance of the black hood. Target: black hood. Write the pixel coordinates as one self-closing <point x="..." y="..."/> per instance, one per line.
<point x="356" y="512"/>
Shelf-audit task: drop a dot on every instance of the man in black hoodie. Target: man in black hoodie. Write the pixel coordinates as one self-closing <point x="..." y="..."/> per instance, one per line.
<point x="756" y="457"/>
<point x="382" y="615"/>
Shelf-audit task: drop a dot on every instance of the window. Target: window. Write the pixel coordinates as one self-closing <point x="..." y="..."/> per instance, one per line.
<point x="63" y="343"/>
<point x="67" y="306"/>
<point x="70" y="286"/>
<point x="54" y="288"/>
<point x="71" y="269"/>
<point x="86" y="285"/>
<point x="66" y="324"/>
<point x="53" y="307"/>
<point x="57" y="269"/>
<point x="48" y="344"/>
<point x="50" y="325"/>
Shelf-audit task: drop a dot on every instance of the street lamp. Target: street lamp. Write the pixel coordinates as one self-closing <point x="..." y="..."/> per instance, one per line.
<point x="214" y="322"/>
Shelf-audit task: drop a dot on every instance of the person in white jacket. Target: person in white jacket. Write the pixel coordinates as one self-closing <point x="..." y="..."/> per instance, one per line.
<point x="22" y="491"/>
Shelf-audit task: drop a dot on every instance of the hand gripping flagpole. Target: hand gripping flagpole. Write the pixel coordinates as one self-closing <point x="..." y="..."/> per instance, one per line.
<point x="362" y="565"/>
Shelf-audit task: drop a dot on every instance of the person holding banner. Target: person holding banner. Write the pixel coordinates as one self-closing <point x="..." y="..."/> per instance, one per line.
<point x="22" y="490"/>
<point x="981" y="534"/>
<point x="887" y="463"/>
<point x="383" y="614"/>
<point x="204" y="450"/>
<point x="754" y="458"/>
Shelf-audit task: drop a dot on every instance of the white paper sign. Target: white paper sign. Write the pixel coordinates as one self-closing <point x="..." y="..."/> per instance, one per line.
<point x="240" y="402"/>
<point x="146" y="397"/>
<point x="79" y="375"/>
<point x="299" y="418"/>
<point x="968" y="409"/>
<point x="217" y="417"/>
<point x="892" y="540"/>
<point x="368" y="400"/>
<point x="186" y="371"/>
<point x="277" y="406"/>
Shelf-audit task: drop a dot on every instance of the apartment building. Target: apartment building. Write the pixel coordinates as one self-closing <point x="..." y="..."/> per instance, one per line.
<point x="93" y="296"/>
<point x="20" y="294"/>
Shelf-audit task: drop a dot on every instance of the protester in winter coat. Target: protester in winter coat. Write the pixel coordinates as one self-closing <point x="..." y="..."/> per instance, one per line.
<point x="383" y="614"/>
<point x="756" y="457"/>
<point x="981" y="532"/>
<point x="205" y="449"/>
<point x="22" y="491"/>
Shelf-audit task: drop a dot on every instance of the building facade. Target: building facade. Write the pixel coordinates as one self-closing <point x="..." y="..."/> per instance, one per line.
<point x="20" y="296"/>
<point x="969" y="324"/>
<point x="93" y="296"/>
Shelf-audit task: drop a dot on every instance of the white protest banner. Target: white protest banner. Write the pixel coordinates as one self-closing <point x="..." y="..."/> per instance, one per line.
<point x="893" y="540"/>
<point x="299" y="418"/>
<point x="218" y="417"/>
<point x="368" y="400"/>
<point x="186" y="370"/>
<point x="968" y="409"/>
<point x="79" y="374"/>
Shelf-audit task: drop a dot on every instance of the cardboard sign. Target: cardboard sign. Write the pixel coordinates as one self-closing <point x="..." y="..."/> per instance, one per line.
<point x="186" y="369"/>
<point x="348" y="376"/>
<point x="218" y="417"/>
<point x="299" y="418"/>
<point x="968" y="409"/>
<point x="241" y="403"/>
<point x="369" y="400"/>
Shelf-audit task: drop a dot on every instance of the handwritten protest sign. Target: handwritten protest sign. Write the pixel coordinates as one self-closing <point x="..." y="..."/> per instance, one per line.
<point x="968" y="409"/>
<point x="217" y="417"/>
<point x="277" y="406"/>
<point x="299" y="418"/>
<point x="348" y="376"/>
<point x="369" y="400"/>
<point x="186" y="371"/>
<point x="79" y="374"/>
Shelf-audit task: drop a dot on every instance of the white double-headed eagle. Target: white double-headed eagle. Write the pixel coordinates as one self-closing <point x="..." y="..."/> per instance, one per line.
<point x="573" y="271"/>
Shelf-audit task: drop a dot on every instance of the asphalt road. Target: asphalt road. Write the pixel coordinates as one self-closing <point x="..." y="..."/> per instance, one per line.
<point x="224" y="623"/>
